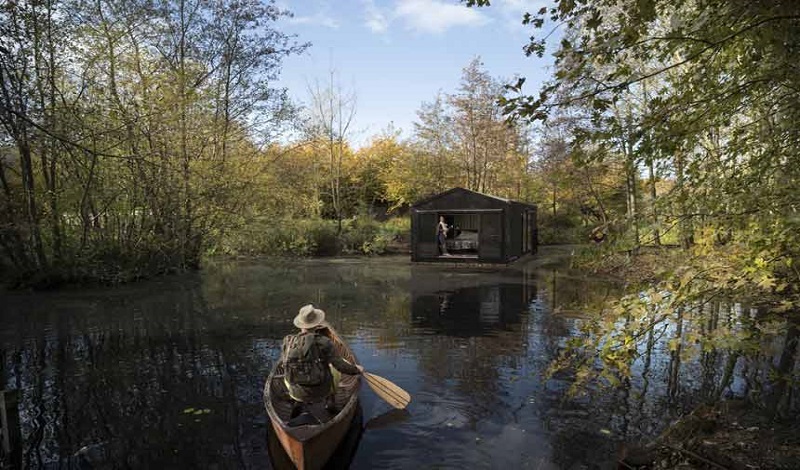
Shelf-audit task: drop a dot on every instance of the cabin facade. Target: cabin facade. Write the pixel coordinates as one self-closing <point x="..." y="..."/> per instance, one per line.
<point x="482" y="228"/>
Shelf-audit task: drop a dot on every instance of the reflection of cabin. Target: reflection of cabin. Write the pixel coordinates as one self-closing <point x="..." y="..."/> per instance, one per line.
<point x="469" y="302"/>
<point x="481" y="227"/>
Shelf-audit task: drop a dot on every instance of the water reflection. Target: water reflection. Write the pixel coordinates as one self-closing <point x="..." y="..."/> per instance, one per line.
<point x="469" y="304"/>
<point x="126" y="372"/>
<point x="169" y="373"/>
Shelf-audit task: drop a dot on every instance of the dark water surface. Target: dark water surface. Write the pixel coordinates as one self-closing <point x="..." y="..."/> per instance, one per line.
<point x="169" y="373"/>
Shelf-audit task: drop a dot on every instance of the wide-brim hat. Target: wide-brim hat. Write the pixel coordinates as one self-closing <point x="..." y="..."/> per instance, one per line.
<point x="309" y="317"/>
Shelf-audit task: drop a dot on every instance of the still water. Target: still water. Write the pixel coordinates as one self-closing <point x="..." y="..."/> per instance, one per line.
<point x="169" y="373"/>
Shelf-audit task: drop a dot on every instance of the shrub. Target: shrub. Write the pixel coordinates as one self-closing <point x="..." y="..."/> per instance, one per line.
<point x="313" y="237"/>
<point x="359" y="234"/>
<point x="561" y="229"/>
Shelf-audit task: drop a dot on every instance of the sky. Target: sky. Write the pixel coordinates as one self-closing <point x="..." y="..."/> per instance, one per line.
<point x="396" y="54"/>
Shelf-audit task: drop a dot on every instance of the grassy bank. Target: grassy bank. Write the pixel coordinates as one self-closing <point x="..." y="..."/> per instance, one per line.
<point x="103" y="264"/>
<point x="110" y="263"/>
<point x="316" y="237"/>
<point x="646" y="265"/>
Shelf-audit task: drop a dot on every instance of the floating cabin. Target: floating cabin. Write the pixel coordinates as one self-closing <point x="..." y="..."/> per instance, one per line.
<point x="482" y="228"/>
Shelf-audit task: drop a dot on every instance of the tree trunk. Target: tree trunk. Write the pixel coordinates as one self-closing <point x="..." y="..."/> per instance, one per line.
<point x="31" y="208"/>
<point x="10" y="235"/>
<point x="653" y="195"/>
<point x="684" y="224"/>
<point x="185" y="220"/>
<point x="630" y="184"/>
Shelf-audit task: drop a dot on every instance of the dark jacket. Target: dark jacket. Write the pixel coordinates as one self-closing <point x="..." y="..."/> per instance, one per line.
<point x="328" y="355"/>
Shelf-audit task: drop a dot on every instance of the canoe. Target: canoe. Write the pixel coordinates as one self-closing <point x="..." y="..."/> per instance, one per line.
<point x="342" y="457"/>
<point x="309" y="446"/>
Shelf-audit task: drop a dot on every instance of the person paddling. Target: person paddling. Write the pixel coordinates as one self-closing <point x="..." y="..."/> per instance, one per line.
<point x="307" y="357"/>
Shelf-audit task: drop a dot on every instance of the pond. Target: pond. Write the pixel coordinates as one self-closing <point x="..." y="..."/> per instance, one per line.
<point x="169" y="373"/>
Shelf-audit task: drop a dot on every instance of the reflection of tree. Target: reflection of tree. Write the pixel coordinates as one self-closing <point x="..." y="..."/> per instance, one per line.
<point x="120" y="377"/>
<point x="692" y="353"/>
<point x="779" y="401"/>
<point x="479" y="327"/>
<point x="116" y="369"/>
<point x="472" y="368"/>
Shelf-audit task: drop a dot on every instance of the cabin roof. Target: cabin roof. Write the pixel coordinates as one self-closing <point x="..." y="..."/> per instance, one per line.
<point x="434" y="197"/>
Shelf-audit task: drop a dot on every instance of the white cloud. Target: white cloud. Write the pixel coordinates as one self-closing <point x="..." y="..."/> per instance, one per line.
<point x="320" y="18"/>
<point x="317" y="19"/>
<point x="375" y="19"/>
<point x="512" y="11"/>
<point x="521" y="6"/>
<point x="436" y="16"/>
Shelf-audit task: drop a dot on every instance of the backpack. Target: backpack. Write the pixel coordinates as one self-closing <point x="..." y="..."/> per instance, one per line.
<point x="304" y="364"/>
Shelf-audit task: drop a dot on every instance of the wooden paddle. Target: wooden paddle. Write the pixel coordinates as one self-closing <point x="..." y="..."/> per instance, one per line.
<point x="388" y="391"/>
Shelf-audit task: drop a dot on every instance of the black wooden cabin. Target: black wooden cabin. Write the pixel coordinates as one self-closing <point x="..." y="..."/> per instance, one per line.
<point x="482" y="228"/>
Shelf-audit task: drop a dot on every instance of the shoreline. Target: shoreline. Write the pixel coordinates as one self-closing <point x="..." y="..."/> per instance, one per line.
<point x="732" y="434"/>
<point x="735" y="434"/>
<point x="58" y="280"/>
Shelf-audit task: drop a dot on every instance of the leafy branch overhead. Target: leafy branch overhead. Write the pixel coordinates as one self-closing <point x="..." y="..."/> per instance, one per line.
<point x="705" y="96"/>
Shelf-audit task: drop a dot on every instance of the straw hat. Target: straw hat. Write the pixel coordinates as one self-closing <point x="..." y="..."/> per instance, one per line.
<point x="309" y="317"/>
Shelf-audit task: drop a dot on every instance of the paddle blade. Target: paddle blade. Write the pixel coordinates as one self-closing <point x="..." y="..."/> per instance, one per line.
<point x="388" y="391"/>
<point x="388" y="419"/>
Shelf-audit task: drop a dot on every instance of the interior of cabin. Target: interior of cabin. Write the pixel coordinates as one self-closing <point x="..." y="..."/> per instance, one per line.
<point x="463" y="238"/>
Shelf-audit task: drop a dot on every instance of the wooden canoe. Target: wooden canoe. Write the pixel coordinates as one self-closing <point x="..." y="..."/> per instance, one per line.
<point x="309" y="446"/>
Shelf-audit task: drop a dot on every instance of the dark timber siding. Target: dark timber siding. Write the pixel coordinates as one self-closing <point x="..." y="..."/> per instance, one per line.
<point x="502" y="235"/>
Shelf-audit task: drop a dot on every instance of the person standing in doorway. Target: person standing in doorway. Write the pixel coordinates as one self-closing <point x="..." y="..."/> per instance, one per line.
<point x="441" y="236"/>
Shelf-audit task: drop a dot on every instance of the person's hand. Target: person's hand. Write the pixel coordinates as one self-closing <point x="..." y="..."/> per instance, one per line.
<point x="360" y="368"/>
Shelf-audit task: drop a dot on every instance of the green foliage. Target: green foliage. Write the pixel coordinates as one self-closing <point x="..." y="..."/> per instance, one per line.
<point x="359" y="235"/>
<point x="313" y="237"/>
<point x="561" y="229"/>
<point x="139" y="146"/>
<point x="366" y="236"/>
<point x="702" y="96"/>
<point x="275" y="236"/>
<point x="399" y="228"/>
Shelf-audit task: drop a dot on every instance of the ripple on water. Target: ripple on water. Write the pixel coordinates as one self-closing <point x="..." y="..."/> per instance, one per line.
<point x="470" y="346"/>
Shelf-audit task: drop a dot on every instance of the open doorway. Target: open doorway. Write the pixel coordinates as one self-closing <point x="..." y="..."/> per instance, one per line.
<point x="463" y="239"/>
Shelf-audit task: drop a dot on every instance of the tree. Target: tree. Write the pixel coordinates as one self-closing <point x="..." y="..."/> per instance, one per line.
<point x="120" y="120"/>
<point x="434" y="134"/>
<point x="468" y="142"/>
<point x="483" y="138"/>
<point x="721" y="100"/>
<point x="331" y="114"/>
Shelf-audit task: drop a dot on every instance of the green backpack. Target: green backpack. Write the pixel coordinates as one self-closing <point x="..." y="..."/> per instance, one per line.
<point x="304" y="364"/>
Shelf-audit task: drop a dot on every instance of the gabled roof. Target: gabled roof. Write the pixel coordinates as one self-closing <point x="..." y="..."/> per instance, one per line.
<point x="456" y="189"/>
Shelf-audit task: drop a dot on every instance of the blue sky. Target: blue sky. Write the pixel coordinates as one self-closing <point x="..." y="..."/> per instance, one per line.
<point x="396" y="54"/>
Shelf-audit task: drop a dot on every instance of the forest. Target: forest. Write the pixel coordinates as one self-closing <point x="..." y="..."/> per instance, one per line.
<point x="143" y="137"/>
<point x="139" y="137"/>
